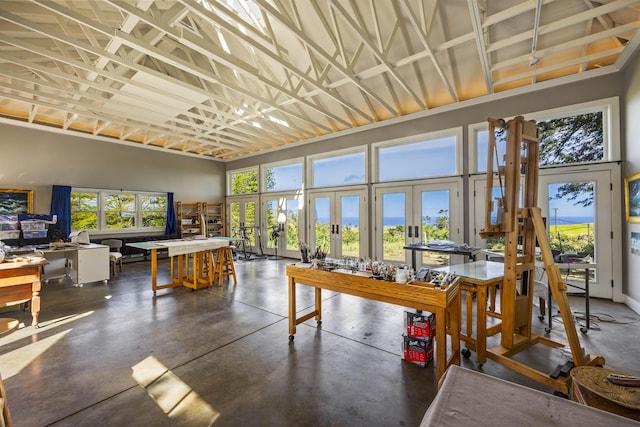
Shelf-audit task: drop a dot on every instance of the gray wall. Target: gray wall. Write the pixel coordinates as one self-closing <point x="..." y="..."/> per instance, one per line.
<point x="588" y="90"/>
<point x="32" y="159"/>
<point x="631" y="153"/>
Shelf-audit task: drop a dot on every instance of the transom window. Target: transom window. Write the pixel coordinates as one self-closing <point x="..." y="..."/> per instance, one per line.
<point x="572" y="135"/>
<point x="283" y="176"/>
<point x="243" y="181"/>
<point x="423" y="157"/>
<point x="338" y="169"/>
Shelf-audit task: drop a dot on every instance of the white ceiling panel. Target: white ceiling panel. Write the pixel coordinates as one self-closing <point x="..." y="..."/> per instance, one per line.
<point x="222" y="79"/>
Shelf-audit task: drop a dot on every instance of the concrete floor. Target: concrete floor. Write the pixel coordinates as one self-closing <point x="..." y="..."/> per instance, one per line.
<point x="116" y="355"/>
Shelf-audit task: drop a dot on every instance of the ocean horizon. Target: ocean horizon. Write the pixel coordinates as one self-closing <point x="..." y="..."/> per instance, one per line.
<point x="395" y="221"/>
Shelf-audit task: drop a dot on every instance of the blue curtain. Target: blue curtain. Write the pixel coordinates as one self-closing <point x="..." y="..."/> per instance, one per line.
<point x="170" y="228"/>
<point x="61" y="206"/>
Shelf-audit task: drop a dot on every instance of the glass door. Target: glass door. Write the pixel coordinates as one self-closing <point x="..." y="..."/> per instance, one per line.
<point x="283" y="225"/>
<point x="415" y="214"/>
<point x="576" y="206"/>
<point x="243" y="222"/>
<point x="578" y="211"/>
<point x="339" y="222"/>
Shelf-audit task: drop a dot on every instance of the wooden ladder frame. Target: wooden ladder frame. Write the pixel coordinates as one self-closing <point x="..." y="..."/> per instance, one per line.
<point x="521" y="227"/>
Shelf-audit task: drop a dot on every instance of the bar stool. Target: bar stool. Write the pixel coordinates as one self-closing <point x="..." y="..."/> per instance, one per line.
<point x="223" y="265"/>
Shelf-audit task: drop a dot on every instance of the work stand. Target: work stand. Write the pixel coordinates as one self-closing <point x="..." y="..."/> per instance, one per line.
<point x="522" y="228"/>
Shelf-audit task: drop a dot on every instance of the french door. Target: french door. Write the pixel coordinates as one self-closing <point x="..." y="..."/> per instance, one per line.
<point x="411" y="214"/>
<point x="283" y="224"/>
<point x="577" y="206"/>
<point x="339" y="222"/>
<point x="243" y="223"/>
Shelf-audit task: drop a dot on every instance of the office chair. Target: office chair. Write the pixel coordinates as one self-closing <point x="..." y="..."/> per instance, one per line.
<point x="115" y="256"/>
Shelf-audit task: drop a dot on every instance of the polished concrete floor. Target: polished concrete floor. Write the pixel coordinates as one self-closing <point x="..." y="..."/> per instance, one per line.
<point x="117" y="355"/>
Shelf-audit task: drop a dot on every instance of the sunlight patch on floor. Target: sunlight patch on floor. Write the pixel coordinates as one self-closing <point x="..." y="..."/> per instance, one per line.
<point x="15" y="361"/>
<point x="171" y="394"/>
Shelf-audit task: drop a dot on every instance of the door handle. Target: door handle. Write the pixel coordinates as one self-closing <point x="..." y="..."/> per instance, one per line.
<point x="409" y="230"/>
<point x="333" y="229"/>
<point x="416" y="231"/>
<point x="337" y="228"/>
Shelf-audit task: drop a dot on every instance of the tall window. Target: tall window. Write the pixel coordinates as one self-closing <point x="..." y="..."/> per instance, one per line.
<point x="336" y="170"/>
<point x="101" y="210"/>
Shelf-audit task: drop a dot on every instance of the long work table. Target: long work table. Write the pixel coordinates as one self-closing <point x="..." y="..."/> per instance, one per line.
<point x="445" y="303"/>
<point x="200" y="275"/>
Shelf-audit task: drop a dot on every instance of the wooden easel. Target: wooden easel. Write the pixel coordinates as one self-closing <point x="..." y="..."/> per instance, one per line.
<point x="520" y="227"/>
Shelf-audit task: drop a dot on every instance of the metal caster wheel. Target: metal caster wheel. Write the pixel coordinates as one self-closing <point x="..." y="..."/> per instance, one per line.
<point x="584" y="330"/>
<point x="319" y="322"/>
<point x="291" y="337"/>
<point x="547" y="330"/>
<point x="466" y="353"/>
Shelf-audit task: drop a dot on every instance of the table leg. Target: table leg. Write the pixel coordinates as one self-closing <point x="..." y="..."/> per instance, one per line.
<point x="154" y="269"/>
<point x="35" y="302"/>
<point x="481" y="325"/>
<point x="441" y="343"/>
<point x="292" y="308"/>
<point x="586" y="295"/>
<point x="318" y="297"/>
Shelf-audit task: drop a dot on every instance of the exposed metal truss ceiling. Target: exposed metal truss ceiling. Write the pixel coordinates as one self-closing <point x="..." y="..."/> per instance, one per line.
<point x="225" y="78"/>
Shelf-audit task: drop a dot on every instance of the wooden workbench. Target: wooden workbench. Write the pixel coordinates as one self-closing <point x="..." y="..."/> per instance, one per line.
<point x="20" y="282"/>
<point x="445" y="303"/>
<point x="200" y="275"/>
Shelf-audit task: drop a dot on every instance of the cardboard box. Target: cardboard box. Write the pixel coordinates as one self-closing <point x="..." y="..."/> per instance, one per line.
<point x="420" y="325"/>
<point x="417" y="351"/>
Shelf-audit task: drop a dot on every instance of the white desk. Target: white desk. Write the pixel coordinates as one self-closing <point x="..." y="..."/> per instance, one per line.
<point x="85" y="263"/>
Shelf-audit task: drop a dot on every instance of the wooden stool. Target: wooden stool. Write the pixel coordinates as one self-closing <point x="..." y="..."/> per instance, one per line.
<point x="591" y="387"/>
<point x="223" y="265"/>
<point x="5" y="416"/>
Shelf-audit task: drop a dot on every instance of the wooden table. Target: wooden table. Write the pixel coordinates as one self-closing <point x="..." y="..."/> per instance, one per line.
<point x="20" y="282"/>
<point x="445" y="303"/>
<point x="480" y="278"/>
<point x="200" y="275"/>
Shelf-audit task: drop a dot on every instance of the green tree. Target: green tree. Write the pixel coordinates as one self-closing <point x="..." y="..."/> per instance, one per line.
<point x="573" y="139"/>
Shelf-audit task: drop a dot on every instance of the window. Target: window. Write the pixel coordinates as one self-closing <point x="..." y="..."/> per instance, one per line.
<point x="243" y="181"/>
<point x="282" y="177"/>
<point x="117" y="211"/>
<point x="424" y="157"/>
<point x="120" y="210"/>
<point x="338" y="169"/>
<point x="84" y="210"/>
<point x="578" y="134"/>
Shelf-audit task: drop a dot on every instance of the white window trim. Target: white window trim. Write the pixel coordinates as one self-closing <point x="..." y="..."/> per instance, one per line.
<point x="235" y="171"/>
<point x="337" y="153"/>
<point x="456" y="132"/>
<point x="265" y="166"/>
<point x="610" y="123"/>
<point x="102" y="229"/>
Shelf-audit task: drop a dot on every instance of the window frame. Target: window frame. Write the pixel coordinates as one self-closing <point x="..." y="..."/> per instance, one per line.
<point x="609" y="107"/>
<point x="101" y="227"/>
<point x="230" y="174"/>
<point x="455" y="132"/>
<point x="338" y="153"/>
<point x="263" y="179"/>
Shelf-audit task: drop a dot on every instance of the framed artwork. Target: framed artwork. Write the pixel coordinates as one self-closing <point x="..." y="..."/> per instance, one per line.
<point x="635" y="243"/>
<point x="16" y="201"/>
<point x="632" y="197"/>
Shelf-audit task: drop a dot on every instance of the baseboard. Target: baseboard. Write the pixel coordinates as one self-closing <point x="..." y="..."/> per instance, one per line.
<point x="632" y="304"/>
